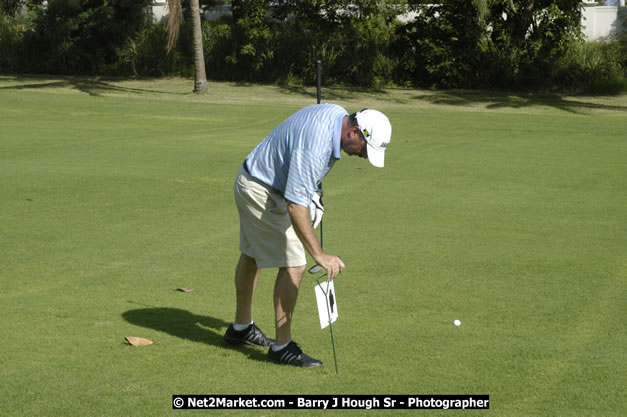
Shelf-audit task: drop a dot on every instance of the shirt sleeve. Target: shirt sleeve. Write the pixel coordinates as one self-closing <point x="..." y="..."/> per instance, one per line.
<point x="303" y="178"/>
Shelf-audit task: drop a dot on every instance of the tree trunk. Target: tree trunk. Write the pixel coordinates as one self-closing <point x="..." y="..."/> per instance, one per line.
<point x="200" y="76"/>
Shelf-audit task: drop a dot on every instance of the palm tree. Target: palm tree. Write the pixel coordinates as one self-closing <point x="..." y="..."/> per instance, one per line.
<point x="174" y="23"/>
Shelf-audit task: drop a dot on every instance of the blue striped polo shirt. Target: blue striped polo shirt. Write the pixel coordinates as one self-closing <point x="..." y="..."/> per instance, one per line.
<point x="296" y="156"/>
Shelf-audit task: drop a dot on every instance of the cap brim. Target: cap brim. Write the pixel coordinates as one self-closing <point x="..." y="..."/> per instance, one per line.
<point x="375" y="156"/>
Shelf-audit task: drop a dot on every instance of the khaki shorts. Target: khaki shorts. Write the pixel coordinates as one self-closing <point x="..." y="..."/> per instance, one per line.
<point x="265" y="228"/>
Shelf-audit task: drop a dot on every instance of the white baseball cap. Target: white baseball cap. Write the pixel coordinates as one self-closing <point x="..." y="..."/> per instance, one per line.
<point x="377" y="130"/>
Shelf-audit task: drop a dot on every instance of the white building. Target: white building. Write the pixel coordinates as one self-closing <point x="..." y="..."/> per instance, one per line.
<point x="603" y="22"/>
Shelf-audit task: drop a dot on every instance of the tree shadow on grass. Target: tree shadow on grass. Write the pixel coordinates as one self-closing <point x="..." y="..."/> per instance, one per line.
<point x="330" y="94"/>
<point x="94" y="86"/>
<point x="488" y="99"/>
<point x="501" y="100"/>
<point x="185" y="325"/>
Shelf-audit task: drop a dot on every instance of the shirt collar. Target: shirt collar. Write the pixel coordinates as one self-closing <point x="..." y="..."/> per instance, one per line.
<point x="336" y="136"/>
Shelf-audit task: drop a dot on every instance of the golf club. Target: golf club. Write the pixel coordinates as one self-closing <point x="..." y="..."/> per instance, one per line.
<point x="319" y="83"/>
<point x="330" y="322"/>
<point x="317" y="268"/>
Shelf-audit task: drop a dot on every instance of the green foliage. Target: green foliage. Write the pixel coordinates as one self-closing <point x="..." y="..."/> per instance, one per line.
<point x="250" y="36"/>
<point x="442" y="45"/>
<point x="526" y="38"/>
<point x="531" y="44"/>
<point x="364" y="58"/>
<point x="488" y="43"/>
<point x="80" y="36"/>
<point x="593" y="67"/>
<point x="9" y="7"/>
<point x="217" y="46"/>
<point x="146" y="55"/>
<point x="240" y="48"/>
<point x="11" y="38"/>
<point x="352" y="41"/>
<point x="293" y="58"/>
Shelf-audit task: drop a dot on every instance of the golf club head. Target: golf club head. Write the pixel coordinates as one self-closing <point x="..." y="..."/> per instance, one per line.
<point x="315" y="269"/>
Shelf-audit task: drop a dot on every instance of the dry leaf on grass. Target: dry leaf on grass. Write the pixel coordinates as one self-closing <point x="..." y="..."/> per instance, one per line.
<point x="138" y="341"/>
<point x="185" y="289"/>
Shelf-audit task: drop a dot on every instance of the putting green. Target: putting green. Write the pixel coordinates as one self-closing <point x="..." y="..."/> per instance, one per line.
<point x="505" y="211"/>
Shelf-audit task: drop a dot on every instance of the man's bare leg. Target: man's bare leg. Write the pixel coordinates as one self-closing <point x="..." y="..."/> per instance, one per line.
<point x="285" y="296"/>
<point x="241" y="331"/>
<point x="246" y="279"/>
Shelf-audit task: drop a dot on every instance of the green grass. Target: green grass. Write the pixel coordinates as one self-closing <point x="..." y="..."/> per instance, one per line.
<point x="505" y="211"/>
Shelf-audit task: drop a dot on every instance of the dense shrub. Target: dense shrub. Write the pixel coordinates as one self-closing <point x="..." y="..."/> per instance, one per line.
<point x="364" y="57"/>
<point x="11" y="41"/>
<point x="79" y="36"/>
<point x="354" y="45"/>
<point x="146" y="55"/>
<point x="217" y="46"/>
<point x="593" y="67"/>
<point x="251" y="49"/>
<point x="454" y="44"/>
<point x="442" y="46"/>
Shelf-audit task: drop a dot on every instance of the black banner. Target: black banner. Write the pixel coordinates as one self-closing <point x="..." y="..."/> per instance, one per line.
<point x="331" y="402"/>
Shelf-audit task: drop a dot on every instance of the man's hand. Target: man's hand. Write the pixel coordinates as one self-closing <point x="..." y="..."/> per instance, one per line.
<point x="333" y="264"/>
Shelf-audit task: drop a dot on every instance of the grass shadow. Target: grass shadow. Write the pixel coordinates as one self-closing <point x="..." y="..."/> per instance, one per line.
<point x="500" y="100"/>
<point x="188" y="326"/>
<point x="94" y="86"/>
<point x="331" y="94"/>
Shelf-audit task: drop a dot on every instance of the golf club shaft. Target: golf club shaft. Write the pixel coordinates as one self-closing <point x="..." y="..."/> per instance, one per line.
<point x="319" y="82"/>
<point x="333" y="345"/>
<point x="330" y="324"/>
<point x="321" y="235"/>
<point x="319" y="95"/>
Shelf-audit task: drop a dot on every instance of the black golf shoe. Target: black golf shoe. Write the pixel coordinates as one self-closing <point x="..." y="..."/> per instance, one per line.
<point x="251" y="335"/>
<point x="293" y="355"/>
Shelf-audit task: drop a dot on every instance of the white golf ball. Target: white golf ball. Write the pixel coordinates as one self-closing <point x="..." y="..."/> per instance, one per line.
<point x="457" y="323"/>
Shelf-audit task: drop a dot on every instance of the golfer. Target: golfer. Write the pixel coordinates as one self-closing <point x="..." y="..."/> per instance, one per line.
<point x="278" y="197"/>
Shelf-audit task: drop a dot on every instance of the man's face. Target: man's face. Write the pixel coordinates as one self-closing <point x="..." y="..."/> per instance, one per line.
<point x="354" y="143"/>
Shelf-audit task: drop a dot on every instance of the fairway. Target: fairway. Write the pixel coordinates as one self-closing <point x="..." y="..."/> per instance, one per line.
<point x="505" y="211"/>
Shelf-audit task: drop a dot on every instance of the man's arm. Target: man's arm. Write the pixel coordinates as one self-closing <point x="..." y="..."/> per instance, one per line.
<point x="302" y="225"/>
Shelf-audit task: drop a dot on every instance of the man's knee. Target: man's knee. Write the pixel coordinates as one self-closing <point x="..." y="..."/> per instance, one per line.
<point x="294" y="271"/>
<point x="247" y="262"/>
